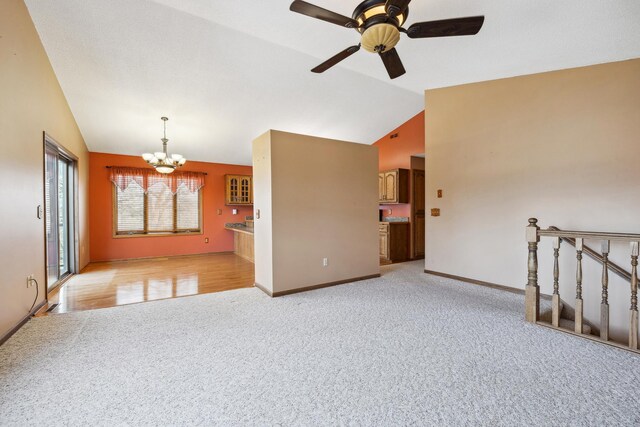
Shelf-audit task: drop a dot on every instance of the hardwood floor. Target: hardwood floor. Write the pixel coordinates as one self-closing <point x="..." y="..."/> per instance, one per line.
<point x="110" y="284"/>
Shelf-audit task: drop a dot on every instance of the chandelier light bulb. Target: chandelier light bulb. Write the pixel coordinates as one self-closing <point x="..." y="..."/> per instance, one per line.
<point x="165" y="169"/>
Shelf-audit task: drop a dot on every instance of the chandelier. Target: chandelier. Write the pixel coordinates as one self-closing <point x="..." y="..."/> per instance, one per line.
<point x="162" y="161"/>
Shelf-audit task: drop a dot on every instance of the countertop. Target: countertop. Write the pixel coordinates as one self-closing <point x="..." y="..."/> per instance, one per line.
<point x="239" y="227"/>
<point x="394" y="219"/>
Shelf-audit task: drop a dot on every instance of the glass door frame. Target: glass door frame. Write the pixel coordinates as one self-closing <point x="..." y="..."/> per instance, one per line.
<point x="62" y="154"/>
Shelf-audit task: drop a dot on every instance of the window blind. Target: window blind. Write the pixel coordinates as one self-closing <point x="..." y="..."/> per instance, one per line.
<point x="159" y="208"/>
<point x="188" y="209"/>
<point x="130" y="209"/>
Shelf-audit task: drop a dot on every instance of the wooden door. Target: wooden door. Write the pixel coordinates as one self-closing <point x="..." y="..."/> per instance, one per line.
<point x="418" y="230"/>
<point x="381" y="195"/>
<point x="418" y="213"/>
<point x="384" y="245"/>
<point x="391" y="186"/>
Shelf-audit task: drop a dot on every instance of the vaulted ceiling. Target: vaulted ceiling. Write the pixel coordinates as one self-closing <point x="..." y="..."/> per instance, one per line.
<point x="226" y="71"/>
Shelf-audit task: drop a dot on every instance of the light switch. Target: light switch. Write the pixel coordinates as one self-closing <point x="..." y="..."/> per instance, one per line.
<point x="39" y="214"/>
<point x="234" y="211"/>
<point x="219" y="211"/>
<point x="435" y="212"/>
<point x="439" y="194"/>
<point x="257" y="213"/>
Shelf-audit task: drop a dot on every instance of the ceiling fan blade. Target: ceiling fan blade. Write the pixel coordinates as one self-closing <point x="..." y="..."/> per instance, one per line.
<point x="396" y="7"/>
<point x="446" y="27"/>
<point x="392" y="63"/>
<point x="336" y="58"/>
<point x="317" y="12"/>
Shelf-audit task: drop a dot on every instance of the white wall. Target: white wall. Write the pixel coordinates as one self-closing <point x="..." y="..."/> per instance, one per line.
<point x="562" y="146"/>
<point x="323" y="204"/>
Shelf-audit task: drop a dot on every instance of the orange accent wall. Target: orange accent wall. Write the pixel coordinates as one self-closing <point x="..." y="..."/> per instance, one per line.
<point x="104" y="247"/>
<point x="396" y="153"/>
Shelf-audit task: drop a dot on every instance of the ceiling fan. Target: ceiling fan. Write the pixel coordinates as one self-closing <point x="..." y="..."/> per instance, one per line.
<point x="380" y="24"/>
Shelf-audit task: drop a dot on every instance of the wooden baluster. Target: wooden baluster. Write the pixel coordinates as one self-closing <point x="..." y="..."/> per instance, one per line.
<point x="532" y="290"/>
<point x="555" y="299"/>
<point x="579" y="308"/>
<point x="633" y="328"/>
<point x="604" y="305"/>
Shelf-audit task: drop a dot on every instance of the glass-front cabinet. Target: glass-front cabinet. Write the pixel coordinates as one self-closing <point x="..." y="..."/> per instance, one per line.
<point x="239" y="190"/>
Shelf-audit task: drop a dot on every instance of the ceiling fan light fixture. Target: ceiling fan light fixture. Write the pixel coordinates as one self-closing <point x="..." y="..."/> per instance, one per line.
<point x="380" y="38"/>
<point x="370" y="8"/>
<point x="380" y="23"/>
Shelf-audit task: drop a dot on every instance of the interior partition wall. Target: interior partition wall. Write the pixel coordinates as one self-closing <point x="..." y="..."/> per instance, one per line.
<point x="60" y="212"/>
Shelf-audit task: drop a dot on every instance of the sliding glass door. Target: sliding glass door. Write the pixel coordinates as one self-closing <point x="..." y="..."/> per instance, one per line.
<point x="59" y="214"/>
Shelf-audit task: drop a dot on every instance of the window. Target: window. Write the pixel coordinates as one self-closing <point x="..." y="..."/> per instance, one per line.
<point x="171" y="204"/>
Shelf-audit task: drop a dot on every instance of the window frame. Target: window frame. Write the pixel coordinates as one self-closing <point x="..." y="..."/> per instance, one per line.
<point x="145" y="232"/>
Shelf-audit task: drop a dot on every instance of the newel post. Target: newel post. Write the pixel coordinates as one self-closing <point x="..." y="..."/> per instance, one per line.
<point x="532" y="290"/>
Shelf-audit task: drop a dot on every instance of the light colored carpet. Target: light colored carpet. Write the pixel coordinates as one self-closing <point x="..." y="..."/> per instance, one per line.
<point x="405" y="349"/>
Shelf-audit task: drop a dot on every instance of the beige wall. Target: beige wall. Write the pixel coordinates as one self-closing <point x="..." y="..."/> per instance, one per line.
<point x="31" y="102"/>
<point x="324" y="204"/>
<point x="562" y="146"/>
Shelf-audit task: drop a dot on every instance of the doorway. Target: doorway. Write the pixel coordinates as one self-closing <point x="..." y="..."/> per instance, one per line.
<point x="417" y="206"/>
<point x="60" y="188"/>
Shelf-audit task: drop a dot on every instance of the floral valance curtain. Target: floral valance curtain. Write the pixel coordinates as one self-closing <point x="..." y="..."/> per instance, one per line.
<point x="122" y="177"/>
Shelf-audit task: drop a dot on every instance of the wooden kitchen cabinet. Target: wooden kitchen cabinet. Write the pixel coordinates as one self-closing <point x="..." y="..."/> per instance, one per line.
<point x="384" y="242"/>
<point x="394" y="241"/>
<point x="243" y="245"/>
<point x="238" y="190"/>
<point x="393" y="186"/>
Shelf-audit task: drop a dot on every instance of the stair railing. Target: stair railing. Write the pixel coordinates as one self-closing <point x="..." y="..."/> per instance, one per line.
<point x="615" y="268"/>
<point x="577" y="238"/>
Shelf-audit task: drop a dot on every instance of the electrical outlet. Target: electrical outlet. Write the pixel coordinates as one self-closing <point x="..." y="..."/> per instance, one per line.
<point x="325" y="262"/>
<point x="234" y="211"/>
<point x="30" y="280"/>
<point x="206" y="240"/>
<point x="219" y="211"/>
